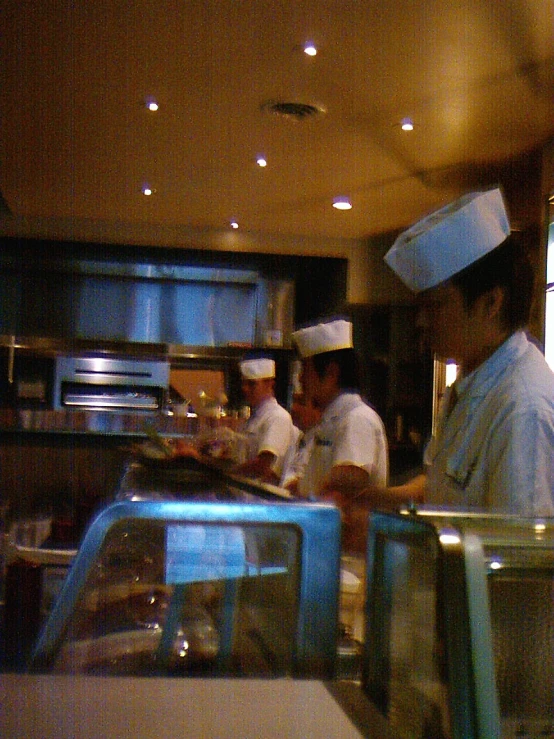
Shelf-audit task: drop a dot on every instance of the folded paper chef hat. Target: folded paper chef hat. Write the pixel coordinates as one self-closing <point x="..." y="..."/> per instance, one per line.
<point x="450" y="239"/>
<point x="259" y="368"/>
<point x="323" y="337"/>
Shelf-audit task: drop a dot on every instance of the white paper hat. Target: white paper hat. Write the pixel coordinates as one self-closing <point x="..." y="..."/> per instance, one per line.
<point x="260" y="368"/>
<point x="323" y="337"/>
<point x="450" y="239"/>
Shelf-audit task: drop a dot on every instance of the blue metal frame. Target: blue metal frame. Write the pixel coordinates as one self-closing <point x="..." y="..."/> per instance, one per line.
<point x="452" y="600"/>
<point x="320" y="528"/>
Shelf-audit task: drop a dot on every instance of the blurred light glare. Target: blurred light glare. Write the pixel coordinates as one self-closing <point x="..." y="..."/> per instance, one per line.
<point x="234" y="224"/>
<point x="407" y="124"/>
<point x="449" y="539"/>
<point x="342" y="203"/>
<point x="451" y="373"/>
<point x="261" y="161"/>
<point x="310" y="50"/>
<point x="147" y="190"/>
<point x="151" y="103"/>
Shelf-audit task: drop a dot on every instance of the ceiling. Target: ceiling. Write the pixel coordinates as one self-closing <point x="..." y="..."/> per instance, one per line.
<point x="77" y="141"/>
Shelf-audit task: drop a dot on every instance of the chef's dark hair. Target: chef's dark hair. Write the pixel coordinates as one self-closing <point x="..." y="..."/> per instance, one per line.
<point x="347" y="362"/>
<point x="508" y="267"/>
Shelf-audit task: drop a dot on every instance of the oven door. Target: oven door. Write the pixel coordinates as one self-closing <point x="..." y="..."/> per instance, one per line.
<point x="110" y="384"/>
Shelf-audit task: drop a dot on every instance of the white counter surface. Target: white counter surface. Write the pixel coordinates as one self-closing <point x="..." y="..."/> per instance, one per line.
<point x="79" y="707"/>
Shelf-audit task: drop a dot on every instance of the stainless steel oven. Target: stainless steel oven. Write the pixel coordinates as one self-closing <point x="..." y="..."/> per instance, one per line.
<point x="99" y="383"/>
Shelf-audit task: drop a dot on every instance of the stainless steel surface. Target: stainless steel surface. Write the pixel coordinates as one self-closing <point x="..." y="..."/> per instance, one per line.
<point x="102" y="383"/>
<point x="122" y="401"/>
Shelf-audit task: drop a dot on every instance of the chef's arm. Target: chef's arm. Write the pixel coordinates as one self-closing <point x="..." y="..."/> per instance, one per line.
<point x="260" y="467"/>
<point x="345" y="488"/>
<point x="346" y="479"/>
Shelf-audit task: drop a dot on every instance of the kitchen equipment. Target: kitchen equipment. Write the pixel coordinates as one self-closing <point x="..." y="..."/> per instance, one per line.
<point x="105" y="384"/>
<point x="194" y="587"/>
<point x="460" y="625"/>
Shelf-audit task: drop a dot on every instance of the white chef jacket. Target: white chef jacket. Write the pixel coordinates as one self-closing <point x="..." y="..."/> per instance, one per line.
<point x="269" y="429"/>
<point x="297" y="456"/>
<point x="349" y="433"/>
<point x="495" y="450"/>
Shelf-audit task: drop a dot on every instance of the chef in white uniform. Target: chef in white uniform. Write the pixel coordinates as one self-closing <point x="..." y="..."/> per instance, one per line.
<point x="349" y="450"/>
<point x="269" y="429"/>
<point x="494" y="445"/>
<point x="305" y="416"/>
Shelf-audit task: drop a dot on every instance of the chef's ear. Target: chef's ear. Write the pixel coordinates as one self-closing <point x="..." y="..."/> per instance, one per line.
<point x="493" y="302"/>
<point x="333" y="371"/>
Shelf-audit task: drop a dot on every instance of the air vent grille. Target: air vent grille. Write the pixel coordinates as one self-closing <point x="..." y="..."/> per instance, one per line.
<point x="293" y="110"/>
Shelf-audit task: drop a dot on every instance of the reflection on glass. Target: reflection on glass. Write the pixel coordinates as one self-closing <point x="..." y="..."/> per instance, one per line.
<point x="180" y="598"/>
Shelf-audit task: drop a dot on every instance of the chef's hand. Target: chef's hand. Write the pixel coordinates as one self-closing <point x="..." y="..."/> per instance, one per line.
<point x="260" y="468"/>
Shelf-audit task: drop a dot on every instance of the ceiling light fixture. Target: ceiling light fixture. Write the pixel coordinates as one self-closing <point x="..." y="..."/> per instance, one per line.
<point x="342" y="203"/>
<point x="310" y="49"/>
<point x="261" y="161"/>
<point x="147" y="190"/>
<point x="234" y="224"/>
<point x="406" y="124"/>
<point x="151" y="104"/>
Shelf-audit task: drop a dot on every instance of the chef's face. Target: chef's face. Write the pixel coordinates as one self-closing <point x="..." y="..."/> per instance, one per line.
<point x="450" y="330"/>
<point x="304" y="413"/>
<point x="256" y="391"/>
<point x="313" y="386"/>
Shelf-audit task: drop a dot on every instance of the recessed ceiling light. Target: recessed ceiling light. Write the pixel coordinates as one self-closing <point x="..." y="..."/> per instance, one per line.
<point x="310" y="49"/>
<point x="342" y="203"/>
<point x="151" y="104"/>
<point x="261" y="161"/>
<point x="406" y="124"/>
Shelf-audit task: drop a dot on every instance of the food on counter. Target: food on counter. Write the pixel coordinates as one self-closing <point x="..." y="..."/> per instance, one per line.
<point x="161" y="449"/>
<point x="223" y="444"/>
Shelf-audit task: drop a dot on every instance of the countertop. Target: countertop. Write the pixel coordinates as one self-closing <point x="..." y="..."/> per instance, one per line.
<point x="67" y="706"/>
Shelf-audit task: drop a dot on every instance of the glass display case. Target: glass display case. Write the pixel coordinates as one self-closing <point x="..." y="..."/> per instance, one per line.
<point x="460" y="625"/>
<point x="199" y="588"/>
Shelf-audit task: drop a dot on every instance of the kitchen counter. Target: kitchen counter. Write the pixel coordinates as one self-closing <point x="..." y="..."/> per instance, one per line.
<point x="64" y="707"/>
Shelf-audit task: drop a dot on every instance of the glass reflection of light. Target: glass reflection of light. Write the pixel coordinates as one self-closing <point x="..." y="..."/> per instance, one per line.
<point x="448" y="538"/>
<point x="451" y="373"/>
<point x="184" y="649"/>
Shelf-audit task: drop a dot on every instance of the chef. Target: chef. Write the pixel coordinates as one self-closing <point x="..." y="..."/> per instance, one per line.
<point x="349" y="450"/>
<point x="305" y="417"/>
<point x="269" y="429"/>
<point x="494" y="445"/>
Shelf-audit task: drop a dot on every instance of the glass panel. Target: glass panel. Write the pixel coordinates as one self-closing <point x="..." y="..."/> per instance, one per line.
<point x="549" y="308"/>
<point x="418" y="701"/>
<point x="187" y="599"/>
<point x="522" y="619"/>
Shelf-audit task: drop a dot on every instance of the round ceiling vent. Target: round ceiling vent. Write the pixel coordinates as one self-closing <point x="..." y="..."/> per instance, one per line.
<point x="293" y="110"/>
